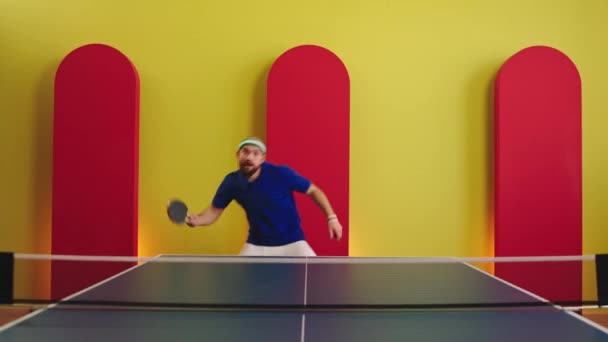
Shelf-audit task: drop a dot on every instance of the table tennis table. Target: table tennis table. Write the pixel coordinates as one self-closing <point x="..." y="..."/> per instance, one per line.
<point x="302" y="299"/>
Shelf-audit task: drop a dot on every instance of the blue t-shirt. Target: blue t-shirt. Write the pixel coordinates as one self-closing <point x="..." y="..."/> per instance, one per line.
<point x="268" y="201"/>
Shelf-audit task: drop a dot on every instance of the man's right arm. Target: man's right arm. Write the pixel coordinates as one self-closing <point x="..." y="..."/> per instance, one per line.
<point x="205" y="218"/>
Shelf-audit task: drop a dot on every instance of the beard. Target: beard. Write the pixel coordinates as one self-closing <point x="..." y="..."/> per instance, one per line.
<point x="248" y="169"/>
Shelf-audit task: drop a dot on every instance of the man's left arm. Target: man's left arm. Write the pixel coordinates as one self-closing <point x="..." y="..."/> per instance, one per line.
<point x="319" y="197"/>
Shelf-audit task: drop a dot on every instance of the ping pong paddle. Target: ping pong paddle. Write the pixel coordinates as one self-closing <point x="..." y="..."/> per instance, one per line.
<point x="177" y="211"/>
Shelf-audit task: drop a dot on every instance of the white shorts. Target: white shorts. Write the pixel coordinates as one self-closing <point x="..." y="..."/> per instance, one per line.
<point x="298" y="248"/>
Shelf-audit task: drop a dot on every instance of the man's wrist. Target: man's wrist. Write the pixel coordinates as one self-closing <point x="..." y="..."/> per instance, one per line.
<point x="332" y="217"/>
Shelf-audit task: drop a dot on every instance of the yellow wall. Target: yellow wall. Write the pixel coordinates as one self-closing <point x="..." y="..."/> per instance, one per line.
<point x="421" y="79"/>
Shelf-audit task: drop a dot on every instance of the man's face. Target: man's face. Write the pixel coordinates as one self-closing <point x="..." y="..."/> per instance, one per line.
<point x="250" y="159"/>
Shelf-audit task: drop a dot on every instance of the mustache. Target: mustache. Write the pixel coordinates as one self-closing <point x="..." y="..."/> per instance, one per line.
<point x="248" y="168"/>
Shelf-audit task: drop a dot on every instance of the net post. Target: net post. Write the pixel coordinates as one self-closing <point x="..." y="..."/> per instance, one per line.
<point x="601" y="271"/>
<point x="7" y="261"/>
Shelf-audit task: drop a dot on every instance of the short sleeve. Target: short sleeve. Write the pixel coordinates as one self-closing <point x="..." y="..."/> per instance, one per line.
<point x="295" y="181"/>
<point x="224" y="194"/>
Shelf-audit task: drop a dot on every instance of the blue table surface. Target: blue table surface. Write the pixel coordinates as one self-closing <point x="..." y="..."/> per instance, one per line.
<point x="226" y="285"/>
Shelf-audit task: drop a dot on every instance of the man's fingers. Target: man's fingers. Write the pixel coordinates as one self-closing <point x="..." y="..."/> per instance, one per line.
<point x="335" y="233"/>
<point x="189" y="220"/>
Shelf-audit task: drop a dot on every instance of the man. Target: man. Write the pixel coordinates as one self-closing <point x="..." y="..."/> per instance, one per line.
<point x="265" y="191"/>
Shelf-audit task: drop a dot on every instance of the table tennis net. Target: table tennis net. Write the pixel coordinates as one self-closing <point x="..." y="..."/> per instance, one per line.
<point x="319" y="283"/>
